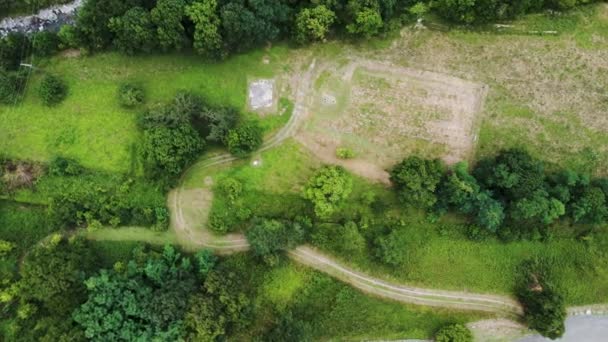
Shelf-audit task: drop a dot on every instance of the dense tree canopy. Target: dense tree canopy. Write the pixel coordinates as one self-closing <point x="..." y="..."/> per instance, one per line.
<point x="169" y="150"/>
<point x="268" y="236"/>
<point x="313" y="24"/>
<point x="416" y="180"/>
<point x="245" y="138"/>
<point x="133" y="31"/>
<point x="167" y="16"/>
<point x="145" y="301"/>
<point x="327" y="188"/>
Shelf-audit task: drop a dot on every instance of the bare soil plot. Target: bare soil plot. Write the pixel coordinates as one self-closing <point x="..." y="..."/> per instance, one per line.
<point x="383" y="112"/>
<point x="547" y="93"/>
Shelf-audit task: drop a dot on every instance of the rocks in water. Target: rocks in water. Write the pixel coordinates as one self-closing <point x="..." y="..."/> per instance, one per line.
<point x="49" y="19"/>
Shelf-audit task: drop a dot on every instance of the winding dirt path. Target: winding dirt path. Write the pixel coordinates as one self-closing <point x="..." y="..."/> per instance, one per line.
<point x="189" y="234"/>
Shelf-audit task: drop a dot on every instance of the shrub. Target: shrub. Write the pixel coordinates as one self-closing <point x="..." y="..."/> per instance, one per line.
<point x="13" y="48"/>
<point x="267" y="237"/>
<point x="130" y="95"/>
<point x="344" y="153"/>
<point x="45" y="43"/>
<point x="52" y="90"/>
<point x="12" y="86"/>
<point x="232" y="188"/>
<point x="67" y="36"/>
<point x="454" y="333"/>
<point x="245" y="138"/>
<point x="6" y="247"/>
<point x="60" y="166"/>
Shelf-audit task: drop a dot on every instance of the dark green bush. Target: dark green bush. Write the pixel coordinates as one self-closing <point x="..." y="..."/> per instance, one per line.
<point x="130" y="95"/>
<point x="12" y="86"/>
<point x="544" y="306"/>
<point x="45" y="43"/>
<point x="60" y="166"/>
<point x="245" y="138"/>
<point x="13" y="49"/>
<point x="454" y="333"/>
<point x="52" y="90"/>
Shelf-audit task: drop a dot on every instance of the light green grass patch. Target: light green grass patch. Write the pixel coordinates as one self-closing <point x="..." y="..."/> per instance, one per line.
<point x="141" y="234"/>
<point x="91" y="127"/>
<point x="282" y="284"/>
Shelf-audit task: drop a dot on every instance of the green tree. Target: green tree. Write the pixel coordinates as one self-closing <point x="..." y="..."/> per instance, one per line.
<point x="52" y="276"/>
<point x="92" y="22"/>
<point x="490" y="212"/>
<point x="167" y="16"/>
<point x="454" y="333"/>
<point x="459" y="189"/>
<point x="590" y="206"/>
<point x="538" y="207"/>
<point x="416" y="180"/>
<point x="52" y="90"/>
<point x="45" y="43"/>
<point x="327" y="188"/>
<point x="367" y="23"/>
<point x="221" y="307"/>
<point x="513" y="174"/>
<point x="134" y="31"/>
<point x="313" y="24"/>
<point x="169" y="150"/>
<point x="253" y="23"/>
<point x="267" y="237"/>
<point x="207" y="37"/>
<point x="146" y="301"/>
<point x="544" y="306"/>
<point x="205" y="261"/>
<point x="245" y="138"/>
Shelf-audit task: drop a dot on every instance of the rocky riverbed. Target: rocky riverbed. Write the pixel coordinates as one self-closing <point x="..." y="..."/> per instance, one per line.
<point x="46" y="19"/>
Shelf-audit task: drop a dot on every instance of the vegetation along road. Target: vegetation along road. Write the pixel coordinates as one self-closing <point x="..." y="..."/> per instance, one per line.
<point x="231" y="243"/>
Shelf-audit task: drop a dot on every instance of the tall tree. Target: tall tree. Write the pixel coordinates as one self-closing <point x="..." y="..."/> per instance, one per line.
<point x="313" y="24"/>
<point x="327" y="188"/>
<point x="416" y="180"/>
<point x="134" y="31"/>
<point x="208" y="40"/>
<point x="167" y="16"/>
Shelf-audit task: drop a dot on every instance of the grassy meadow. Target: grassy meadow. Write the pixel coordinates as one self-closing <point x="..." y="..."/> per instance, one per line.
<point x="90" y="125"/>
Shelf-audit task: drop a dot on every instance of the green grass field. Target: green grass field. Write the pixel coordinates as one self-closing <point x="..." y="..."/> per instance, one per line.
<point x="490" y="266"/>
<point x="91" y="126"/>
<point x="332" y="310"/>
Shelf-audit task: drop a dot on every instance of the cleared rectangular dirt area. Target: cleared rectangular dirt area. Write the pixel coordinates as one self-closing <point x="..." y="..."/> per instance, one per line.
<point x="383" y="113"/>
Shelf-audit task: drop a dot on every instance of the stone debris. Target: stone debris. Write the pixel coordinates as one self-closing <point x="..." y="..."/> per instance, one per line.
<point x="49" y="19"/>
<point x="261" y="94"/>
<point x="328" y="99"/>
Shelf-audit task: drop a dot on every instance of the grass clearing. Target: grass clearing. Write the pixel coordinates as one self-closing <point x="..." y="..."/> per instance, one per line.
<point x="91" y="127"/>
<point x="141" y="234"/>
<point x="269" y="189"/>
<point x="487" y="266"/>
<point x="332" y="310"/>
